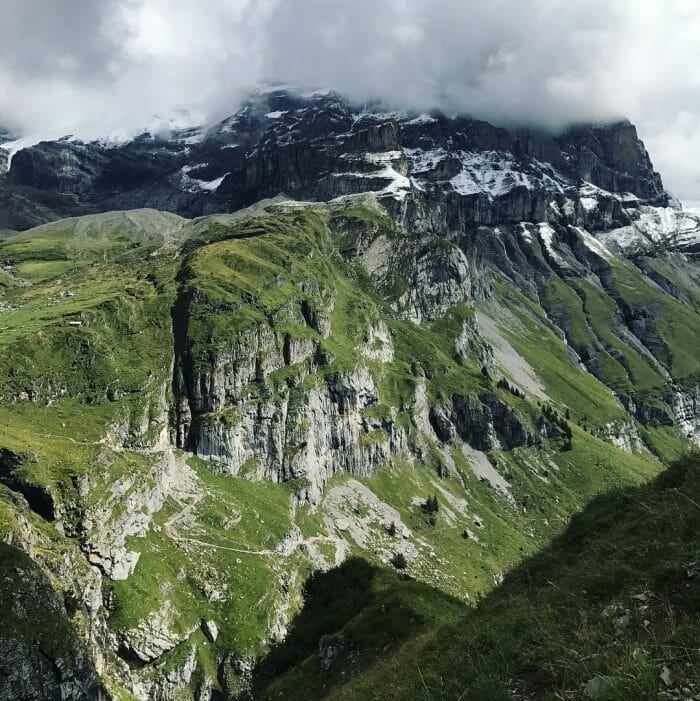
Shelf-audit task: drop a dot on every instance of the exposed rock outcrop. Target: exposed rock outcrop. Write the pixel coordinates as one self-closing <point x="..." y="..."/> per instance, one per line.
<point x="312" y="433"/>
<point x="484" y="423"/>
<point x="152" y="637"/>
<point x="108" y="527"/>
<point x="686" y="405"/>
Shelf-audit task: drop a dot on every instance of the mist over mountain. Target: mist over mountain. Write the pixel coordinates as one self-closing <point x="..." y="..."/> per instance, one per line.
<point x="111" y="66"/>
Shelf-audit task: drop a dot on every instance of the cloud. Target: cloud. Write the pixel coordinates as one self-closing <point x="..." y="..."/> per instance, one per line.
<point x="93" y="67"/>
<point x="508" y="61"/>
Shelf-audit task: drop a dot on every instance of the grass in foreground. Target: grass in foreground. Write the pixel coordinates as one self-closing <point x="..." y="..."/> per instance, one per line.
<point x="612" y="605"/>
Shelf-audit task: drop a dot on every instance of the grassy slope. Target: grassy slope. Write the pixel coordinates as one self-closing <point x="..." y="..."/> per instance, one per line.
<point x="110" y="283"/>
<point x="119" y="277"/>
<point x="594" y="320"/>
<point x="677" y="324"/>
<point x="617" y="596"/>
<point x="393" y="608"/>
<point x="109" y="273"/>
<point x="233" y="513"/>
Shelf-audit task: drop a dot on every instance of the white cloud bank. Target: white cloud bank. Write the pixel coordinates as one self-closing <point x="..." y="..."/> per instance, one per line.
<point x="94" y="67"/>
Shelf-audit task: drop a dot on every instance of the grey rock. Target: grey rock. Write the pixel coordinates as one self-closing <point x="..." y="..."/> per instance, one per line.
<point x="42" y="655"/>
<point x="686" y="406"/>
<point x="211" y="630"/>
<point x="665" y="676"/>
<point x="153" y="636"/>
<point x="314" y="436"/>
<point x="329" y="648"/>
<point x="181" y="675"/>
<point x="622" y="624"/>
<point x="484" y="423"/>
<point x="599" y="686"/>
<point x="105" y="545"/>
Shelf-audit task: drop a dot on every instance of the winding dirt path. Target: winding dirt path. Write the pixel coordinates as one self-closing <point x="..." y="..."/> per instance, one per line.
<point x="187" y="507"/>
<point x="64" y="438"/>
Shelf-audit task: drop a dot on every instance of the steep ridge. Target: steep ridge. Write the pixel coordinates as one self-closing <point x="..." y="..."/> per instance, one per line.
<point x="198" y="414"/>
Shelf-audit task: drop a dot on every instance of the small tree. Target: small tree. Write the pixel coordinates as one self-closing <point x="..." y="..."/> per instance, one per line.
<point x="431" y="505"/>
<point x="392" y="529"/>
<point x="399" y="561"/>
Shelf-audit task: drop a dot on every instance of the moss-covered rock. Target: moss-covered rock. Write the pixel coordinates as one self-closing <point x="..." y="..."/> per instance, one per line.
<point x="42" y="654"/>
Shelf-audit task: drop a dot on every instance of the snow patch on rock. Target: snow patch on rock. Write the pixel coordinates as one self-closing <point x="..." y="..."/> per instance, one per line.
<point x="655" y="226"/>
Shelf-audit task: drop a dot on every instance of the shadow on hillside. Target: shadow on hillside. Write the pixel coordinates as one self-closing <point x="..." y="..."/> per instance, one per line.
<point x="625" y="544"/>
<point x="331" y="600"/>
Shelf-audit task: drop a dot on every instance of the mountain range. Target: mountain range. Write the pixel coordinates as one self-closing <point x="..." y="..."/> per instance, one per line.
<point x="326" y="357"/>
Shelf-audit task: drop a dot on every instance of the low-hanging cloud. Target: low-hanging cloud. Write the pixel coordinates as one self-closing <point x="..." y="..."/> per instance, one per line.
<point x="97" y="67"/>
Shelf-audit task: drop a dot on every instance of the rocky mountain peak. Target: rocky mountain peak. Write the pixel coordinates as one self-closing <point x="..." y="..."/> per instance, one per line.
<point x="319" y="146"/>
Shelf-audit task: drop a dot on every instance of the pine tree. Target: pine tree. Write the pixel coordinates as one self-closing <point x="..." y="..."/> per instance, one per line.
<point x="399" y="561"/>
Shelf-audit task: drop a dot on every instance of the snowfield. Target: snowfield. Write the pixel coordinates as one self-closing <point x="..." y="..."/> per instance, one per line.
<point x="656" y="225"/>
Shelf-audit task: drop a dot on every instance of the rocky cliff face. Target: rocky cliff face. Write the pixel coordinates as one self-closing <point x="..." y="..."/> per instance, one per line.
<point x="686" y="406"/>
<point x="42" y="657"/>
<point x="319" y="146"/>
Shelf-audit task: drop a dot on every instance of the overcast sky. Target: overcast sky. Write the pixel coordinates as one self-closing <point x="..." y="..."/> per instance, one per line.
<point x="94" y="67"/>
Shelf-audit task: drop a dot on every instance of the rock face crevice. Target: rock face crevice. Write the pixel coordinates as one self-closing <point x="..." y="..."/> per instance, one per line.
<point x="40" y="500"/>
<point x="485" y="423"/>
